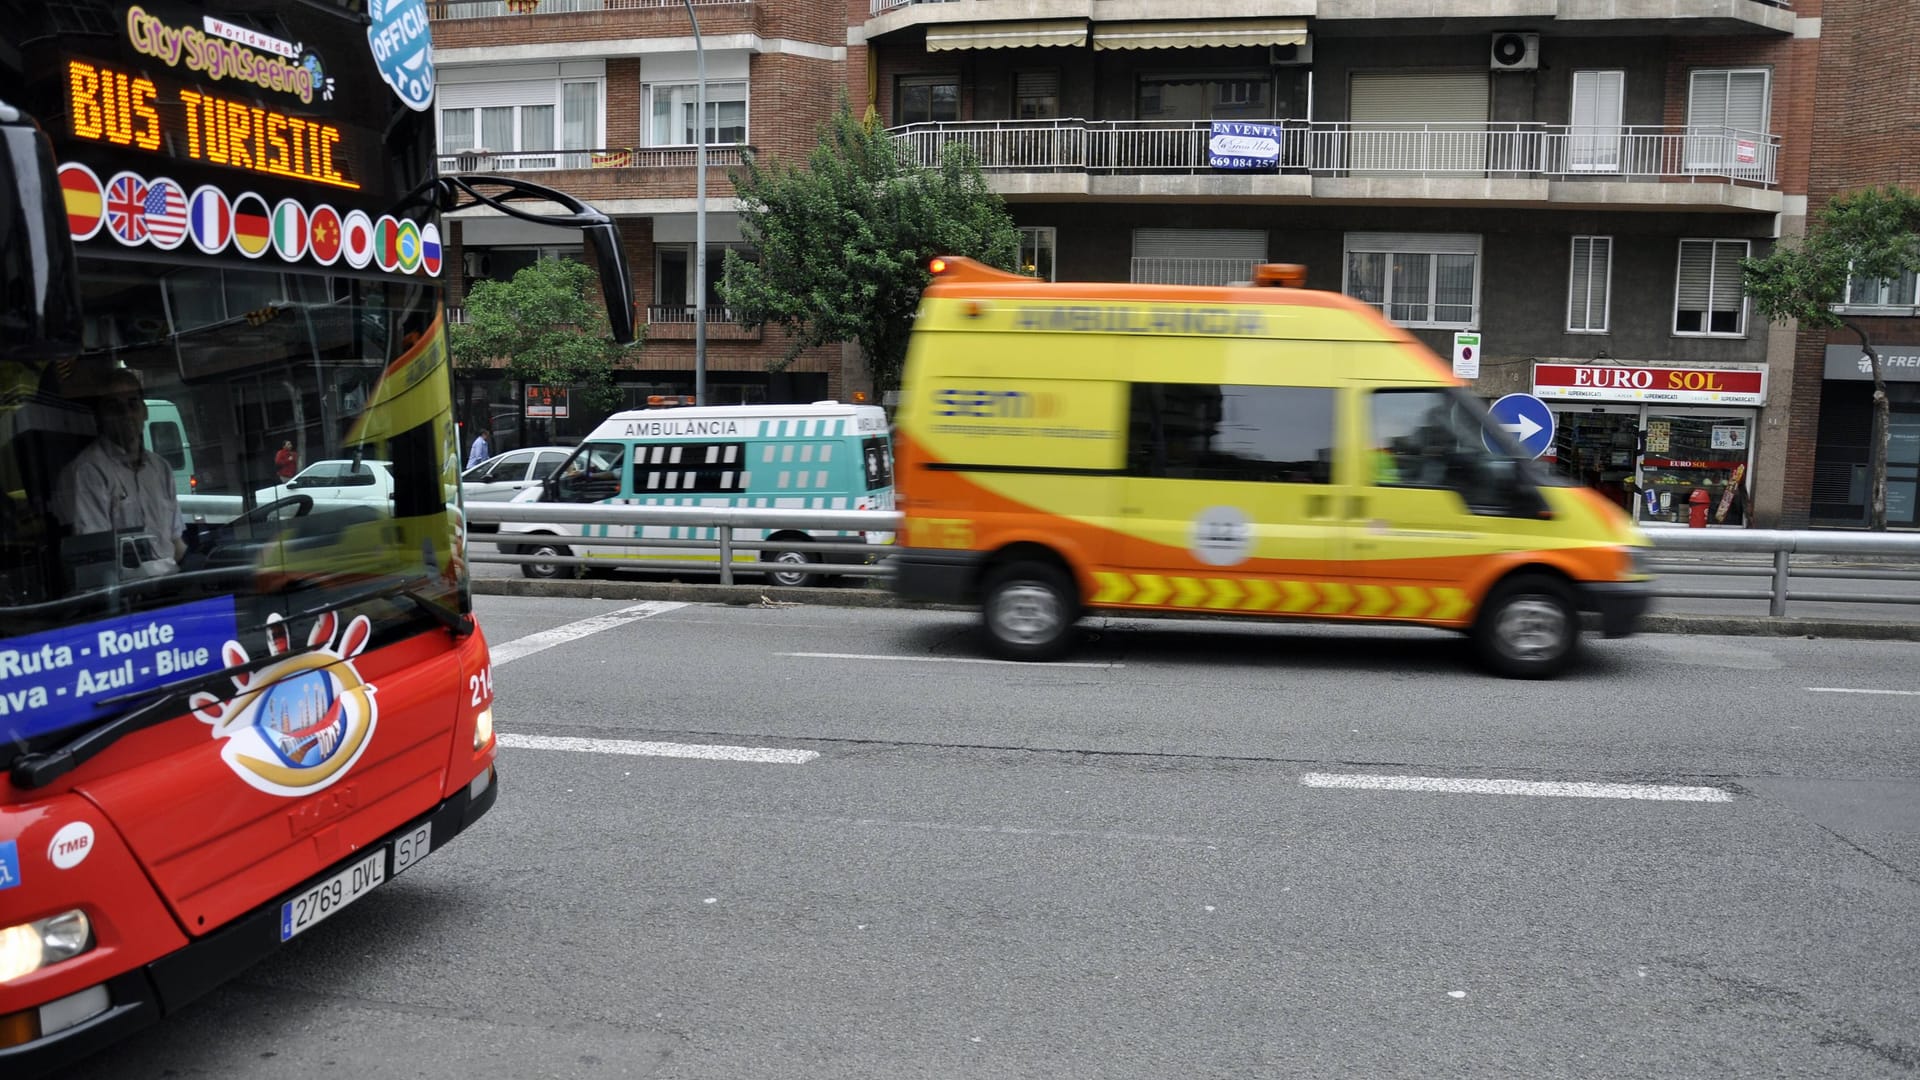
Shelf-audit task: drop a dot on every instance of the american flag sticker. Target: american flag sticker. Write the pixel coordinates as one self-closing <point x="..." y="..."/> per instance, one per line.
<point x="210" y="219"/>
<point x="357" y="245"/>
<point x="166" y="214"/>
<point x="127" y="209"/>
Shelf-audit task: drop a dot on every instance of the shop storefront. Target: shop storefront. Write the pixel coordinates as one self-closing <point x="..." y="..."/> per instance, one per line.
<point x="1648" y="437"/>
<point x="1843" y="455"/>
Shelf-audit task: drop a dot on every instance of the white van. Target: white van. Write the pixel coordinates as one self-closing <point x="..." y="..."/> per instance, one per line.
<point x="823" y="456"/>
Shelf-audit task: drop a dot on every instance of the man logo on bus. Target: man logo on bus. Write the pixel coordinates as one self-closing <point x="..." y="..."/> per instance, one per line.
<point x="296" y="725"/>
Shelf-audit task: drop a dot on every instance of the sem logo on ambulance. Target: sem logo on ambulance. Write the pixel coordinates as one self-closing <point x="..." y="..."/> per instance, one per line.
<point x="295" y="726"/>
<point x="993" y="404"/>
<point x="403" y="49"/>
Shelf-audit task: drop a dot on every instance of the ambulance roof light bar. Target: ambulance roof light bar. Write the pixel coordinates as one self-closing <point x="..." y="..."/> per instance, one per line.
<point x="1280" y="275"/>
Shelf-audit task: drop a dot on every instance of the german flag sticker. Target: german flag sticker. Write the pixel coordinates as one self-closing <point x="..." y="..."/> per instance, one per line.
<point x="85" y="201"/>
<point x="252" y="225"/>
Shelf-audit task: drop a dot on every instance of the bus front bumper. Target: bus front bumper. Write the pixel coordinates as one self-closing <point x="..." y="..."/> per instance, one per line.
<point x="144" y="995"/>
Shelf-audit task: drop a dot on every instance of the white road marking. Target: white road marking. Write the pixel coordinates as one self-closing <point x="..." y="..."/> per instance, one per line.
<point x="764" y="755"/>
<point x="508" y="651"/>
<point x="1550" y="788"/>
<point x="1850" y="690"/>
<point x="940" y="659"/>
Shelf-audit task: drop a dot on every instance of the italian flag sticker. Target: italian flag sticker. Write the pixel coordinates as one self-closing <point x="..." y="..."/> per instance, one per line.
<point x="290" y="230"/>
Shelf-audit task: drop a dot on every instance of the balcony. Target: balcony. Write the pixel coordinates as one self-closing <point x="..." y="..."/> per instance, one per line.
<point x="671" y="157"/>
<point x="676" y="322"/>
<point x="1518" y="163"/>
<point x="1649" y="16"/>
<point x="487" y="9"/>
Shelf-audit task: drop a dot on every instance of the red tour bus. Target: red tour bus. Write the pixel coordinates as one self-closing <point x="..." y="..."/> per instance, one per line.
<point x="229" y="707"/>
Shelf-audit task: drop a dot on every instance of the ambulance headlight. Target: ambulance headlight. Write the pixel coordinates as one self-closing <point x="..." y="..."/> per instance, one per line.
<point x="28" y="947"/>
<point x="483" y="728"/>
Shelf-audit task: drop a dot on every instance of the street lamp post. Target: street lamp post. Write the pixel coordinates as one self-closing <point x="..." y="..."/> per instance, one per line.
<point x="699" y="213"/>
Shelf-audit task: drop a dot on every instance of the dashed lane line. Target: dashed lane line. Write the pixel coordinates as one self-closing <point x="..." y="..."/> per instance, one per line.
<point x="763" y="755"/>
<point x="1548" y="788"/>
<point x="1853" y="690"/>
<point x="942" y="660"/>
<point x="519" y="648"/>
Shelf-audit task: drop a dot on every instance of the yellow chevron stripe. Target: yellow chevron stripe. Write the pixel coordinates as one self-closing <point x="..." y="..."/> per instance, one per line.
<point x="1374" y="599"/>
<point x="1450" y="604"/>
<point x="1153" y="589"/>
<point x="1261" y="595"/>
<point x="1226" y="593"/>
<point x="1112" y="588"/>
<point x="1300" y="596"/>
<point x="1338" y="598"/>
<point x="1188" y="592"/>
<point x="1413" y="601"/>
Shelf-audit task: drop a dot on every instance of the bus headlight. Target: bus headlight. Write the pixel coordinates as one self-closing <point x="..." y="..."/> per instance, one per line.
<point x="483" y="728"/>
<point x="28" y="947"/>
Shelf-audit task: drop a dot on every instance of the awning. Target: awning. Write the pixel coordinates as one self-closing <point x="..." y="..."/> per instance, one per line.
<point x="1007" y="35"/>
<point x="1208" y="33"/>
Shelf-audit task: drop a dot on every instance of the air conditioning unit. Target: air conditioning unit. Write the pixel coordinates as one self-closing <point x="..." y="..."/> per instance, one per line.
<point x="1515" y="52"/>
<point x="479" y="264"/>
<point x="1290" y="55"/>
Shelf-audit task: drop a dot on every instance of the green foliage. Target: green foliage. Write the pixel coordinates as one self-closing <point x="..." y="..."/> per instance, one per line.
<point x="1876" y="231"/>
<point x="842" y="243"/>
<point x="546" y="324"/>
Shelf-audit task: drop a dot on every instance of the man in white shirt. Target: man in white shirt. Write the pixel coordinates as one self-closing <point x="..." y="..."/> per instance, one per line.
<point x="117" y="485"/>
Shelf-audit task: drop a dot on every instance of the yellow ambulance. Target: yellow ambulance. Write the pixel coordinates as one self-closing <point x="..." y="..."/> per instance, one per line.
<point x="1260" y="451"/>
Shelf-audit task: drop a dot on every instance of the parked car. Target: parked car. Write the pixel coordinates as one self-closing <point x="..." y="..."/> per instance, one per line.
<point x="500" y="478"/>
<point x="335" y="481"/>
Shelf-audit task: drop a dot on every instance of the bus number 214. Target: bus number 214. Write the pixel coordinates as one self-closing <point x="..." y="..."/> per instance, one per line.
<point x="481" y="683"/>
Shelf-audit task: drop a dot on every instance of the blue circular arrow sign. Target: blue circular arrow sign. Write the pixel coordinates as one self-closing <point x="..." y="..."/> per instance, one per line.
<point x="1527" y="419"/>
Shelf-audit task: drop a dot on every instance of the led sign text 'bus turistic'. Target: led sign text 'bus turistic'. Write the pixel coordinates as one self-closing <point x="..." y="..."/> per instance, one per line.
<point x="115" y="107"/>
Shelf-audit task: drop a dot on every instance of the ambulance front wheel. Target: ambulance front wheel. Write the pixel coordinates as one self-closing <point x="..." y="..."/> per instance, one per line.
<point x="1528" y="628"/>
<point x="1028" y="610"/>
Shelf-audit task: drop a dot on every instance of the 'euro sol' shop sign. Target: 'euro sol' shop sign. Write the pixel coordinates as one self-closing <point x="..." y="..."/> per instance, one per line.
<point x="1616" y="382"/>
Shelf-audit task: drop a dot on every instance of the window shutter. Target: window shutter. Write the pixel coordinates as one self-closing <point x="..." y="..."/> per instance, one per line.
<point x="1420" y="97"/>
<point x="1036" y="84"/>
<point x="1587" y="289"/>
<point x="1726" y="274"/>
<point x="1696" y="274"/>
<point x="1746" y="101"/>
<point x="1200" y="244"/>
<point x="1415" y="243"/>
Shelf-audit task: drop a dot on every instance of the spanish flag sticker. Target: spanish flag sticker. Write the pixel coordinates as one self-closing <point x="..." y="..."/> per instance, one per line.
<point x="81" y="190"/>
<point x="252" y="225"/>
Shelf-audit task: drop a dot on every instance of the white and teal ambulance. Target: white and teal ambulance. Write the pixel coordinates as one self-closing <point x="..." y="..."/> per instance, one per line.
<point x="823" y="456"/>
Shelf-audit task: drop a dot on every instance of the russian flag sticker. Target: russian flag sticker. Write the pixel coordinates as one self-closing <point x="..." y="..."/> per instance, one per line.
<point x="430" y="248"/>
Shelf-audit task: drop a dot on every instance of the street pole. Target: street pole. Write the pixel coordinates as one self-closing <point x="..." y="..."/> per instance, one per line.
<point x="699" y="214"/>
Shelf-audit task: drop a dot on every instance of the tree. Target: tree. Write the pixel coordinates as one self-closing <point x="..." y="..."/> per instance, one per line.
<point x="842" y="243"/>
<point x="549" y="327"/>
<point x="1872" y="233"/>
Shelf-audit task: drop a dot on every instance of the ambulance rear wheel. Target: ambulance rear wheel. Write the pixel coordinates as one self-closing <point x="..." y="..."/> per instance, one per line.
<point x="791" y="573"/>
<point x="1528" y="628"/>
<point x="547" y="571"/>
<point x="1028" y="610"/>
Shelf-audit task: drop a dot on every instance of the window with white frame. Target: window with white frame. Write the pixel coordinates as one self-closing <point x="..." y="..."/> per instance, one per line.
<point x="522" y="118"/>
<point x="1727" y="112"/>
<point x="1036" y="251"/>
<point x="1709" y="299"/>
<point x="1899" y="295"/>
<point x="671" y="108"/>
<point x="1417" y="279"/>
<point x="1589" y="284"/>
<point x="673" y="280"/>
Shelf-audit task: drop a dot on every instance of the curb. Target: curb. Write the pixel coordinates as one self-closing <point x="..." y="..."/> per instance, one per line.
<point x="842" y="596"/>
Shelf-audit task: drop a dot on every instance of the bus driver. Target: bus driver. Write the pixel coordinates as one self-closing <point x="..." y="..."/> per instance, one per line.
<point x="116" y="485"/>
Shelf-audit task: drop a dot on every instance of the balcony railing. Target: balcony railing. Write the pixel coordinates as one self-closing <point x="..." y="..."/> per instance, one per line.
<point x="1492" y="150"/>
<point x="684" y="313"/>
<point x="487" y="9"/>
<point x="881" y="7"/>
<point x="1172" y="270"/>
<point x="670" y="157"/>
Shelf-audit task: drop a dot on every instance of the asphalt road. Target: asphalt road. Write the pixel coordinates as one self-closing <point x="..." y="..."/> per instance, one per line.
<point x="1189" y="852"/>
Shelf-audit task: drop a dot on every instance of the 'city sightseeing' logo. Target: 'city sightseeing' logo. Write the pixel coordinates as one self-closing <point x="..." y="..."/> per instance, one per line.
<point x="295" y="726"/>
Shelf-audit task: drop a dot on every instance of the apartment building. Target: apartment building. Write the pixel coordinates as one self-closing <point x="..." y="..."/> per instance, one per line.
<point x="1573" y="180"/>
<point x="598" y="98"/>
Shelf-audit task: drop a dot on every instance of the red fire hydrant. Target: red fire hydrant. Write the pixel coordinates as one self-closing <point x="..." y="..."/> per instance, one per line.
<point x="1697" y="508"/>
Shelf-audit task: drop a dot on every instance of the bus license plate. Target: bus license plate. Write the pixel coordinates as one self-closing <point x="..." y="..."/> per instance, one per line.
<point x="412" y="847"/>
<point x="306" y="910"/>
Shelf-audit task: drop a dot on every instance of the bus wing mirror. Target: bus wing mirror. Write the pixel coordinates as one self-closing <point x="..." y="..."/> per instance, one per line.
<point x="41" y="317"/>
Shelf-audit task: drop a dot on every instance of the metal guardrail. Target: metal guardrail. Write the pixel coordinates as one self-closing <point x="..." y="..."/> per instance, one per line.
<point x="1770" y="554"/>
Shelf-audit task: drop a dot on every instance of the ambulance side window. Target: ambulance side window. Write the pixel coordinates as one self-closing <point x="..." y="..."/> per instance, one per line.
<point x="1435" y="438"/>
<point x="680" y="468"/>
<point x="1205" y="431"/>
<point x="592" y="474"/>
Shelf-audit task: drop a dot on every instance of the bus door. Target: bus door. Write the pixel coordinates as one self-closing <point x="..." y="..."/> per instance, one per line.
<point x="1229" y="500"/>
